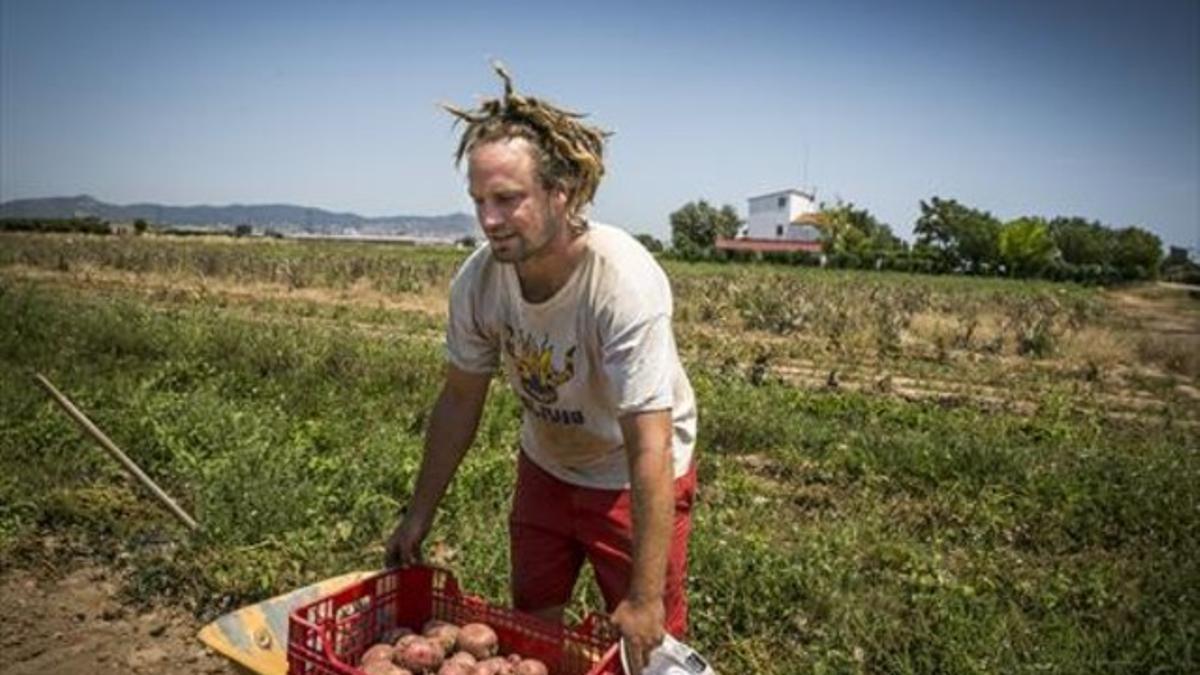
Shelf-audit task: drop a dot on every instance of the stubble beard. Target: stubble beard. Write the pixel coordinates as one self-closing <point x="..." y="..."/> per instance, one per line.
<point x="519" y="249"/>
<point x="513" y="253"/>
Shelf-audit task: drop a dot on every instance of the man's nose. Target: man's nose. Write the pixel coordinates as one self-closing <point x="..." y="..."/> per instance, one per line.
<point x="489" y="216"/>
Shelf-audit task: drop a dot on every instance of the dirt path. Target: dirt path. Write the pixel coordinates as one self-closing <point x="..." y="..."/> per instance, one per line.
<point x="1163" y="308"/>
<point x="77" y="625"/>
<point x="176" y="287"/>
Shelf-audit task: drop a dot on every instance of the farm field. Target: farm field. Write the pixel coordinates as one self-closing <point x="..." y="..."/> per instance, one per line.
<point x="899" y="474"/>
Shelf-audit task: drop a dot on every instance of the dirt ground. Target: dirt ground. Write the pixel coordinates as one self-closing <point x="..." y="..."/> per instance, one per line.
<point x="73" y="623"/>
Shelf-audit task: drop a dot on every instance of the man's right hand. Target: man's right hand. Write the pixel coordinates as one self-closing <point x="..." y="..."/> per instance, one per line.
<point x="404" y="546"/>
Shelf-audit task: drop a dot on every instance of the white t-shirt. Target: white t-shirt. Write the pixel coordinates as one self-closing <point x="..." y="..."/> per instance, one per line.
<point x="601" y="347"/>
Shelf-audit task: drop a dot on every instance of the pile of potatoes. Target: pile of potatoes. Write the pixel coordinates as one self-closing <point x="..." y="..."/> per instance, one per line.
<point x="445" y="649"/>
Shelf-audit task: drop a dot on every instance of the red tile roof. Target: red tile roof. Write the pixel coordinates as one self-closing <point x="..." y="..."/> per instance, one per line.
<point x="767" y="245"/>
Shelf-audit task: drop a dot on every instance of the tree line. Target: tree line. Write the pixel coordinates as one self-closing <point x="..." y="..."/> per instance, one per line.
<point x="951" y="238"/>
<point x="95" y="225"/>
<point x="88" y="225"/>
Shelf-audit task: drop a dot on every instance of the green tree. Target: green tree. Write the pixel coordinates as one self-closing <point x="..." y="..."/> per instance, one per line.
<point x="856" y="231"/>
<point x="1025" y="245"/>
<point x="696" y="226"/>
<point x="960" y="236"/>
<point x="1082" y="242"/>
<point x="140" y="226"/>
<point x="653" y="245"/>
<point x="1137" y="253"/>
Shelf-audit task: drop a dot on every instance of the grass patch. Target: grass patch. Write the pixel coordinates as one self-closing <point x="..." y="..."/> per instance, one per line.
<point x="834" y="532"/>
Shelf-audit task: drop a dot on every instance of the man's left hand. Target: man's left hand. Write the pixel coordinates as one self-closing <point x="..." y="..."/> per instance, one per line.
<point x="641" y="626"/>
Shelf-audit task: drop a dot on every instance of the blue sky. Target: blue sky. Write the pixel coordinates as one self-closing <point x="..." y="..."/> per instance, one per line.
<point x="1020" y="108"/>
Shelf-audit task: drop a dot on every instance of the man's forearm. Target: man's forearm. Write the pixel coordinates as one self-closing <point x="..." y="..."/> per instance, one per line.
<point x="651" y="474"/>
<point x="452" y="427"/>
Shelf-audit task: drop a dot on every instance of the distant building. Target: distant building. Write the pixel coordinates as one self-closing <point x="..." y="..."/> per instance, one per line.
<point x="788" y="220"/>
<point x="1178" y="254"/>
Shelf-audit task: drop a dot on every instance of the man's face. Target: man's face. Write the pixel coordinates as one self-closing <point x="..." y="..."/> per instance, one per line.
<point x="517" y="214"/>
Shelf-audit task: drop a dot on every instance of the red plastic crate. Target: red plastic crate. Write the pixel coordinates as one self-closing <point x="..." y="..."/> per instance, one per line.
<point x="329" y="636"/>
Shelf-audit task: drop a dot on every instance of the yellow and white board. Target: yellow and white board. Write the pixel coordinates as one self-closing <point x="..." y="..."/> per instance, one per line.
<point x="255" y="637"/>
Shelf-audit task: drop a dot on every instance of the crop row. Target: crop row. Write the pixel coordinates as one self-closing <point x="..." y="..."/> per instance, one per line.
<point x="843" y="311"/>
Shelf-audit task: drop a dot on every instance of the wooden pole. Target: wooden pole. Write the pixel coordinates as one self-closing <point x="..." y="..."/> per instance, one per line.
<point x="113" y="450"/>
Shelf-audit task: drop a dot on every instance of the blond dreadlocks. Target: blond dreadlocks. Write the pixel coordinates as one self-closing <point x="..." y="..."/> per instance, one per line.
<point x="569" y="153"/>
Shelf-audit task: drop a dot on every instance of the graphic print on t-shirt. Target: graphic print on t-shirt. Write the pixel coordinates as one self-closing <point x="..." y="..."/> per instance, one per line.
<point x="534" y="362"/>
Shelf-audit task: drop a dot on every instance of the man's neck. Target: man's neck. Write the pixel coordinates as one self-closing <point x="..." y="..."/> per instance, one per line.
<point x="542" y="276"/>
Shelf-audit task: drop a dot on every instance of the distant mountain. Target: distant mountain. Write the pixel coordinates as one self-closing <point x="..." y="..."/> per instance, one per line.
<point x="285" y="218"/>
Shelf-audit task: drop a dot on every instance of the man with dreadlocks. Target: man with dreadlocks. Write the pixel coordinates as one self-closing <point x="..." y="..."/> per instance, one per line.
<point x="580" y="316"/>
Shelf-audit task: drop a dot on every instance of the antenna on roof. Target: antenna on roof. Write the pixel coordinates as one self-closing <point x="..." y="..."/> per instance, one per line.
<point x="804" y="179"/>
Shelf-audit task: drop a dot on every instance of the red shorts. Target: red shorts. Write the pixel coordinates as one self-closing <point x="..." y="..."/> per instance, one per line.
<point x="555" y="525"/>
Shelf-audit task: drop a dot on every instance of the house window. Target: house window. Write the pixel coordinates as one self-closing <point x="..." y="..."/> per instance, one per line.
<point x="782" y="202"/>
<point x="778" y="230"/>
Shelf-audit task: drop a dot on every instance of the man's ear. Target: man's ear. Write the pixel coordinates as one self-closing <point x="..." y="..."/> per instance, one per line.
<point x="559" y="196"/>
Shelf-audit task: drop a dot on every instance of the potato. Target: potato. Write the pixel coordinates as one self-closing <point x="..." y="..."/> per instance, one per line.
<point x="392" y="635"/>
<point x="497" y="665"/>
<point x="379" y="652"/>
<point x="456" y="668"/>
<point x="464" y="658"/>
<point x="479" y="640"/>
<point x="406" y="640"/>
<point x="442" y="631"/>
<point x="384" y="668"/>
<point x="531" y="667"/>
<point x="420" y="654"/>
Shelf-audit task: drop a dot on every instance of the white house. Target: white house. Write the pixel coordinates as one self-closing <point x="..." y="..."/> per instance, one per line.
<point x="789" y="215"/>
<point x="779" y="222"/>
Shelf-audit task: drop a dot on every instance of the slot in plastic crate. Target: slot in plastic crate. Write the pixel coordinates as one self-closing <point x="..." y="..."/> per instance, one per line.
<point x="328" y="636"/>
